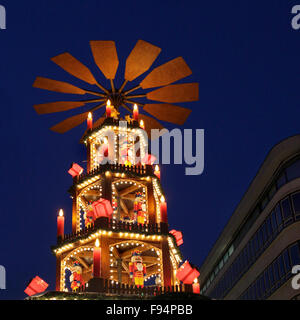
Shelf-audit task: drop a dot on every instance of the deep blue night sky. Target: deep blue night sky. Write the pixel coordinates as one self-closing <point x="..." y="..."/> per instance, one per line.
<point x="244" y="54"/>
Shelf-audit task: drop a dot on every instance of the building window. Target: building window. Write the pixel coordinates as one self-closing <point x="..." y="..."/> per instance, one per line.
<point x="296" y="204"/>
<point x="274" y="275"/>
<point x="293" y="171"/>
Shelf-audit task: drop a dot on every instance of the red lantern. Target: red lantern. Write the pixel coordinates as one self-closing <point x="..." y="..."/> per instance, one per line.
<point x="186" y="273"/>
<point x="148" y="159"/>
<point x="75" y="170"/>
<point x="102" y="208"/>
<point x="36" y="285"/>
<point x="178" y="237"/>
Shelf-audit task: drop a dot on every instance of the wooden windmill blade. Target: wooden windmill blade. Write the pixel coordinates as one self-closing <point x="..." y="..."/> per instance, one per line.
<point x="140" y="59"/>
<point x="73" y="66"/>
<point x="73" y="121"/>
<point x="98" y="122"/>
<point x="106" y="57"/>
<point x="151" y="123"/>
<point x="185" y="92"/>
<point x="168" y="112"/>
<point x="167" y="73"/>
<point x="57" y="106"/>
<point x="58" y="86"/>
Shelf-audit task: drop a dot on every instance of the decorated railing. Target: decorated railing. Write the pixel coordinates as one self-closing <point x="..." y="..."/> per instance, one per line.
<point x="116" y="226"/>
<point x="106" y="286"/>
<point x="141" y="170"/>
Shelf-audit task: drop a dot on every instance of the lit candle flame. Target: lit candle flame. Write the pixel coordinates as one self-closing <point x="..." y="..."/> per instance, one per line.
<point x="97" y="243"/>
<point x="162" y="199"/>
<point x="105" y="140"/>
<point x="196" y="280"/>
<point x="108" y="103"/>
<point x="142" y="124"/>
<point x="61" y="213"/>
<point x="156" y="168"/>
<point x="135" y="107"/>
<point x="90" y="116"/>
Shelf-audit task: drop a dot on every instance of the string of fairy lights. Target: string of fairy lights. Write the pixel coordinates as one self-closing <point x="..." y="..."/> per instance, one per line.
<point x="134" y="137"/>
<point x="99" y="145"/>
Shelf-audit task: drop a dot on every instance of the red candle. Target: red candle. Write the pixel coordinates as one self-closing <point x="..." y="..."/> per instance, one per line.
<point x="97" y="259"/>
<point x="108" y="109"/>
<point x="90" y="121"/>
<point x="135" y="113"/>
<point x="196" y="287"/>
<point x="157" y="171"/>
<point x="163" y="210"/>
<point x="60" y="224"/>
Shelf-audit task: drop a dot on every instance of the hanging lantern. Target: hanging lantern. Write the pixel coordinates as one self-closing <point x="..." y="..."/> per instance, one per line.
<point x="90" y="121"/>
<point x="75" y="170"/>
<point x="178" y="237"/>
<point x="102" y="208"/>
<point x="35" y="286"/>
<point x="186" y="273"/>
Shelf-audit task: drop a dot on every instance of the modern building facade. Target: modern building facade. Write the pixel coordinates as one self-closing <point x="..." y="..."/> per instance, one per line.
<point x="254" y="255"/>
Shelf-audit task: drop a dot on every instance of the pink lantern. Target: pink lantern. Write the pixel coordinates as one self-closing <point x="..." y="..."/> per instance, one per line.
<point x="186" y="273"/>
<point x="178" y="237"/>
<point x="75" y="170"/>
<point x="102" y="208"/>
<point x="36" y="285"/>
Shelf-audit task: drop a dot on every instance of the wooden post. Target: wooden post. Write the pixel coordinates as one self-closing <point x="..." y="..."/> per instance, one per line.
<point x="151" y="204"/>
<point x="58" y="273"/>
<point x="88" y="149"/>
<point x="74" y="213"/>
<point x="167" y="267"/>
<point x="107" y="190"/>
<point x="119" y="268"/>
<point x="105" y="261"/>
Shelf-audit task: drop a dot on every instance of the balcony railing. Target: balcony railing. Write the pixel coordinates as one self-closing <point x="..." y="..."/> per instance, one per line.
<point x="104" y="223"/>
<point x="137" y="170"/>
<point x="106" y="286"/>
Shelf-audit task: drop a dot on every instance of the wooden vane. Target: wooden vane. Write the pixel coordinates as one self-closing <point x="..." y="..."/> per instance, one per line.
<point x="161" y="80"/>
